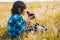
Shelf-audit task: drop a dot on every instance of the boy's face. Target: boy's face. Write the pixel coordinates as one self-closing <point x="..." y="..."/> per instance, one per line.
<point x="24" y="11"/>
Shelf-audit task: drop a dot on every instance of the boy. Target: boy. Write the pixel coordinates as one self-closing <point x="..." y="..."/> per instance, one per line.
<point x="16" y="23"/>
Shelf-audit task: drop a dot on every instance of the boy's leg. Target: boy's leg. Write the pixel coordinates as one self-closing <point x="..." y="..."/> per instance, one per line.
<point x="31" y="28"/>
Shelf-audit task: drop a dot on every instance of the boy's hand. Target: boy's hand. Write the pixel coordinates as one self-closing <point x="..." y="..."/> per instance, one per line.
<point x="30" y="17"/>
<point x="28" y="21"/>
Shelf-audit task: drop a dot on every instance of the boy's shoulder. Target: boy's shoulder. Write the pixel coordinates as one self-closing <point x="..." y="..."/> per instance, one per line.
<point x="16" y="16"/>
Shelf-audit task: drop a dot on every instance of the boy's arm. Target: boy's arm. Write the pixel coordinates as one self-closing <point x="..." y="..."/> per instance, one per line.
<point x="18" y="20"/>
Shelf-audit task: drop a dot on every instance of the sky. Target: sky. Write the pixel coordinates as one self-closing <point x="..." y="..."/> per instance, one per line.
<point x="24" y="0"/>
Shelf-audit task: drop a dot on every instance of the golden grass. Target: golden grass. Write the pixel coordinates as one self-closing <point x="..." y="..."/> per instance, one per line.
<point x="47" y="14"/>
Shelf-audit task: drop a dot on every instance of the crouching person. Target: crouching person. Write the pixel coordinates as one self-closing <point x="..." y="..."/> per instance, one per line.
<point x="16" y="23"/>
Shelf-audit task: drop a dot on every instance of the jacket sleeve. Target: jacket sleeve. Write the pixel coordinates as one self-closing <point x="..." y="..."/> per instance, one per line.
<point x="18" y="20"/>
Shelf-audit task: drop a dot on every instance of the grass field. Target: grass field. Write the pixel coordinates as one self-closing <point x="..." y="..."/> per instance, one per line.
<point x="47" y="14"/>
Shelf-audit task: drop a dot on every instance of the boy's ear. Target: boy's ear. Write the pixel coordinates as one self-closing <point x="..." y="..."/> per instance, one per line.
<point x="19" y="10"/>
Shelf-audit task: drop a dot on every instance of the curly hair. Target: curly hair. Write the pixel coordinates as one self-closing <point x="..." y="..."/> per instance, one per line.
<point x="17" y="5"/>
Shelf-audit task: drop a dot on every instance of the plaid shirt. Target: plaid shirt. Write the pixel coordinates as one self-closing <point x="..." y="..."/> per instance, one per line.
<point x="16" y="24"/>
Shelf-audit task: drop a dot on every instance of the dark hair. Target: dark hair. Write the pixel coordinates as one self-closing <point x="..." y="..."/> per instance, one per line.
<point x="17" y="5"/>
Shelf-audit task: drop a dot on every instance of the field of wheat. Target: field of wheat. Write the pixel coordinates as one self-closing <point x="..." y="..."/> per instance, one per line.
<point x="47" y="14"/>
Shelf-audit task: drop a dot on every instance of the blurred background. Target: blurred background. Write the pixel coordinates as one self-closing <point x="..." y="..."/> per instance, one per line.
<point x="47" y="13"/>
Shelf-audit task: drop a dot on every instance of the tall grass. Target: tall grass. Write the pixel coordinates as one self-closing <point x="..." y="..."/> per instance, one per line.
<point x="47" y="14"/>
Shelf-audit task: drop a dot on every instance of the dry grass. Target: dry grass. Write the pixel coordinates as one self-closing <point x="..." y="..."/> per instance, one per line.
<point x="47" y="14"/>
